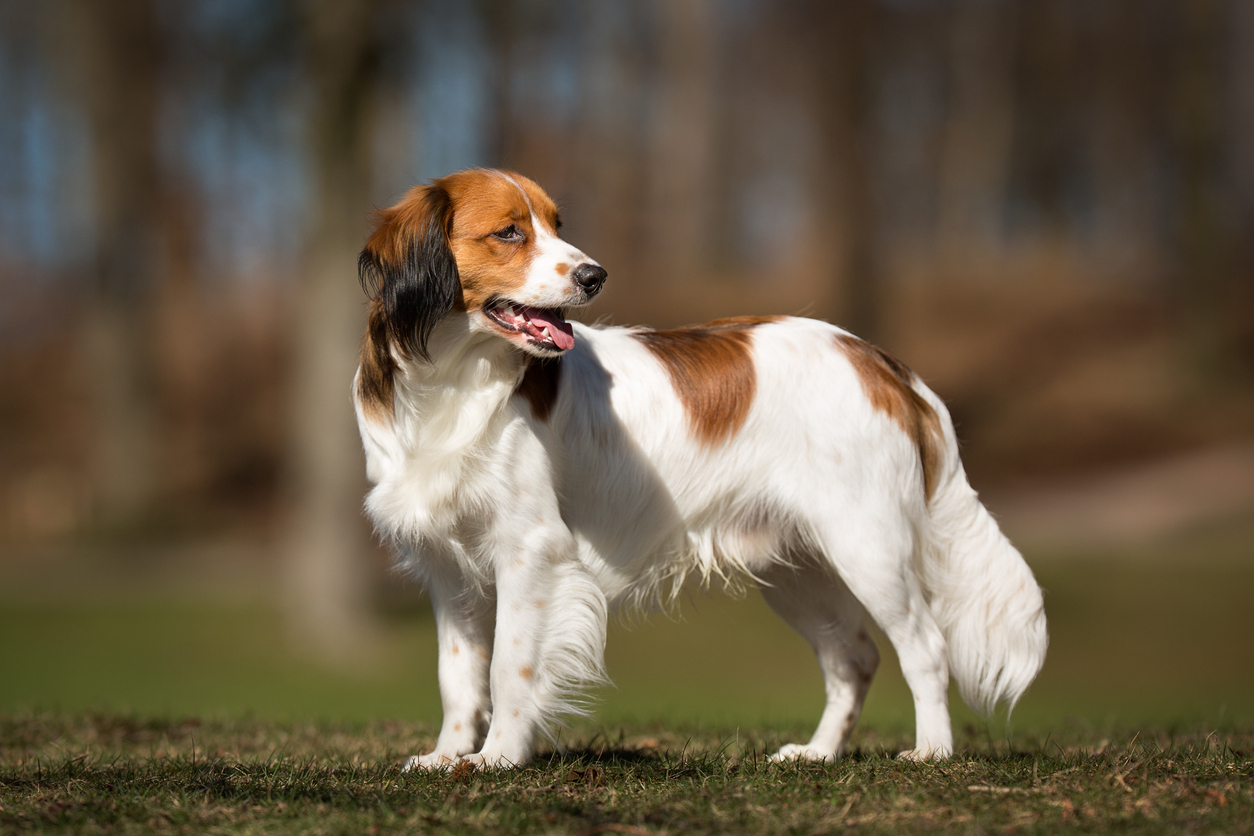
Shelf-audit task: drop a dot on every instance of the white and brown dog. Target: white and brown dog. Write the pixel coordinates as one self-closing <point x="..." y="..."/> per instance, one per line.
<point x="537" y="473"/>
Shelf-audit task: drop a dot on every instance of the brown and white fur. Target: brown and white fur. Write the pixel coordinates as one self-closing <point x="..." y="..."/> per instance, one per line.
<point x="536" y="474"/>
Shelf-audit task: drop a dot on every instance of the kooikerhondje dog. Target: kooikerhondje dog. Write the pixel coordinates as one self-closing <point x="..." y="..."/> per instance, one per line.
<point x="537" y="473"/>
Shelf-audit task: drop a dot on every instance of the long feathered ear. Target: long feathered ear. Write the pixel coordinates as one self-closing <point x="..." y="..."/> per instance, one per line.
<point x="408" y="265"/>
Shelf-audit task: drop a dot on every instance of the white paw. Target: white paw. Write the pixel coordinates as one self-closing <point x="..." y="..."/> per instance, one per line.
<point x="797" y="752"/>
<point x="434" y="761"/>
<point x="924" y="755"/>
<point x="431" y="760"/>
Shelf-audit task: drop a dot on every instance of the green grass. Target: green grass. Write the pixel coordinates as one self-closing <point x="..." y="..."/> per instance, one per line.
<point x="119" y="774"/>
<point x="189" y="714"/>
<point x="1156" y="640"/>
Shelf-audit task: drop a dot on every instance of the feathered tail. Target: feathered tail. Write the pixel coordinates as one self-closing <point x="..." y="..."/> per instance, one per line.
<point x="982" y="593"/>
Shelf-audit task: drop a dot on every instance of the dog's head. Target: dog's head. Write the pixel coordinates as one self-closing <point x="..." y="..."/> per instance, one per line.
<point x="484" y="242"/>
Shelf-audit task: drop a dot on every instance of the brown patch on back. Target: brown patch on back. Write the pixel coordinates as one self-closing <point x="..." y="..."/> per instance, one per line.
<point x="375" y="386"/>
<point x="888" y="385"/>
<point x="711" y="369"/>
<point x="734" y="322"/>
<point x="540" y="384"/>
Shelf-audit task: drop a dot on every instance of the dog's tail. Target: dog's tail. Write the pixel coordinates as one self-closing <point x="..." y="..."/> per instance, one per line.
<point x="981" y="592"/>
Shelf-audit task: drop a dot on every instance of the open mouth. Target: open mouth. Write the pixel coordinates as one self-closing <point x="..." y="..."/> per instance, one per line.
<point x="544" y="328"/>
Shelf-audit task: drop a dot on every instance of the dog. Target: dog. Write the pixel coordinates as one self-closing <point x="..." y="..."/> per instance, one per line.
<point x="536" y="474"/>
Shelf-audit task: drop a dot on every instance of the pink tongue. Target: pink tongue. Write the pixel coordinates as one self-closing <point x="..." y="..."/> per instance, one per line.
<point x="562" y="334"/>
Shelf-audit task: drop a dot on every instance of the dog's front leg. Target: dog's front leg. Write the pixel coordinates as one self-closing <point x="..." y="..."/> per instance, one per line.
<point x="550" y="641"/>
<point x="464" y="624"/>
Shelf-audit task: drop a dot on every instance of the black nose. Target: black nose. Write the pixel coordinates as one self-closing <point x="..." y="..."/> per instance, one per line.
<point x="590" y="277"/>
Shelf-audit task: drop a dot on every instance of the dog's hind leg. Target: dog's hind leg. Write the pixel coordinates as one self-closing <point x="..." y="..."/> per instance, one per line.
<point x="873" y="551"/>
<point x="464" y="619"/>
<point x="816" y="603"/>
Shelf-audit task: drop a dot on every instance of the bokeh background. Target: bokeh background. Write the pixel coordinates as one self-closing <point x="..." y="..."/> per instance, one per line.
<point x="1045" y="207"/>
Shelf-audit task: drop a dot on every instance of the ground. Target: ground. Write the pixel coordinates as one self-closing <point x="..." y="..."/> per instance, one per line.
<point x="119" y="774"/>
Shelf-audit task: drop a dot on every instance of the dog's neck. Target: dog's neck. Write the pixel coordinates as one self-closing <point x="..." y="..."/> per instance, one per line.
<point x="448" y="414"/>
<point x="450" y="400"/>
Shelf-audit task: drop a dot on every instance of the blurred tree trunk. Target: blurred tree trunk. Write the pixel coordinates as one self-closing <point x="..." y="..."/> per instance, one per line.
<point x="841" y="42"/>
<point x="110" y="58"/>
<point x="532" y="133"/>
<point x="328" y="568"/>
<point x="681" y="173"/>
<point x="506" y="23"/>
<point x="1049" y="96"/>
<point x="1129" y="78"/>
<point x="1204" y="242"/>
<point x="975" y="155"/>
<point x="1239" y="106"/>
<point x="610" y="169"/>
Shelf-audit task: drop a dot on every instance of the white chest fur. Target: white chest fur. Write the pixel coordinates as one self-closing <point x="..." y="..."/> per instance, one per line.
<point x="438" y="462"/>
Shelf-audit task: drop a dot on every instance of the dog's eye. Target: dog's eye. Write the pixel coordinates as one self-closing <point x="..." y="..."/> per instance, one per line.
<point x="510" y="233"/>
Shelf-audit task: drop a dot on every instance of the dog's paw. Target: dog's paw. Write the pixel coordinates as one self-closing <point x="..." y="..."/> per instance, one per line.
<point x="438" y="762"/>
<point x="798" y="752"/>
<point x="490" y="760"/>
<point x="431" y="760"/>
<point x="924" y="755"/>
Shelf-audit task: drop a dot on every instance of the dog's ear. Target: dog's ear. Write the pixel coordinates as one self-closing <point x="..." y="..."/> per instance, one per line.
<point x="408" y="265"/>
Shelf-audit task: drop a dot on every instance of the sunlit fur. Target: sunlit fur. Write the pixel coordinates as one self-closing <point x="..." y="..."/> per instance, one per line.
<point x="777" y="452"/>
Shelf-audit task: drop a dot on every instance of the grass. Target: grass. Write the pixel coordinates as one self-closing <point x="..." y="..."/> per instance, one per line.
<point x="1156" y="640"/>
<point x="185" y="714"/>
<point x="119" y="774"/>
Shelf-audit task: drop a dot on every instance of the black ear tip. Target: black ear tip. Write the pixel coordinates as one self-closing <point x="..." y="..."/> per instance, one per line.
<point x="369" y="274"/>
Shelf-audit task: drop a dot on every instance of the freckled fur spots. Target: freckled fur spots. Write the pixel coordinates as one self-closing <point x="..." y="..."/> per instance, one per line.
<point x="888" y="384"/>
<point x="711" y="369"/>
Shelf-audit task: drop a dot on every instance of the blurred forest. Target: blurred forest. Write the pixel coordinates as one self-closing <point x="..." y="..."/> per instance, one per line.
<point x="1045" y="207"/>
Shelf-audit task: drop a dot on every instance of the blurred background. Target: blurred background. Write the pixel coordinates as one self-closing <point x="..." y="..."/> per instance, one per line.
<point x="1045" y="207"/>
